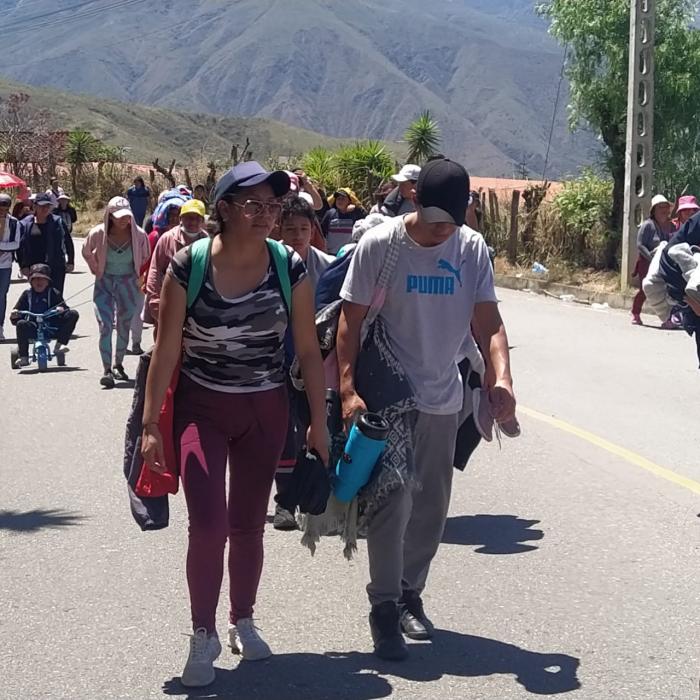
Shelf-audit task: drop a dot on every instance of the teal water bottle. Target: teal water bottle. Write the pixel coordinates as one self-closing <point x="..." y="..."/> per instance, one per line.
<point x="363" y="449"/>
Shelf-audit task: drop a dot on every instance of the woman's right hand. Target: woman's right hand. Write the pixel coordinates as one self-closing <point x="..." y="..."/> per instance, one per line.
<point x="152" y="448"/>
<point x="352" y="406"/>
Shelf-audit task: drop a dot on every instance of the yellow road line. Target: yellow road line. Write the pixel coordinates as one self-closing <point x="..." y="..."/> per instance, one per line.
<point x="623" y="453"/>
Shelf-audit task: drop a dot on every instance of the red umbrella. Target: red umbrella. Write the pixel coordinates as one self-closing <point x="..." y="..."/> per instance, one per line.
<point x="8" y="180"/>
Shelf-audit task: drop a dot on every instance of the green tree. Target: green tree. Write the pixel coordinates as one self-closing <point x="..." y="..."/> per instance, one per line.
<point x="597" y="35"/>
<point x="423" y="138"/>
<point x="363" y="166"/>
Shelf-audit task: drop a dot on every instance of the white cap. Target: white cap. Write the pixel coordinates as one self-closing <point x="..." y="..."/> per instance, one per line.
<point x="307" y="198"/>
<point x="119" y="207"/>
<point x="408" y="172"/>
<point x="658" y="199"/>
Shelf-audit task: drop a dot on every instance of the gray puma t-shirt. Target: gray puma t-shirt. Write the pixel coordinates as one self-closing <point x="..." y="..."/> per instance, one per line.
<point x="429" y="307"/>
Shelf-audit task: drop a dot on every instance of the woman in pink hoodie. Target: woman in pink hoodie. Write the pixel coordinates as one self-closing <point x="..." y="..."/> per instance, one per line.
<point x="115" y="251"/>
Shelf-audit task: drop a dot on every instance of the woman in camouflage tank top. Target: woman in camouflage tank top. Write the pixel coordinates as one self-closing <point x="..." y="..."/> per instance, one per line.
<point x="231" y="403"/>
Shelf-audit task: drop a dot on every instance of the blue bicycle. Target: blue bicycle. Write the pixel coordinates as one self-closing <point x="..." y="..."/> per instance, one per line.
<point x="41" y="349"/>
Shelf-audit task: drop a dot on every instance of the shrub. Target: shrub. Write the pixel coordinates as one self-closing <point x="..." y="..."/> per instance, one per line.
<point x="583" y="210"/>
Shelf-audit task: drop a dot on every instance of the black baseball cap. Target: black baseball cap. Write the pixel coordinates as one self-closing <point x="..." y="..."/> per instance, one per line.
<point x="442" y="192"/>
<point x="249" y="174"/>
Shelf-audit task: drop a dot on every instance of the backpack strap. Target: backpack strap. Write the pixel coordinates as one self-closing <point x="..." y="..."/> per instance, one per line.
<point x="280" y="259"/>
<point x="199" y="252"/>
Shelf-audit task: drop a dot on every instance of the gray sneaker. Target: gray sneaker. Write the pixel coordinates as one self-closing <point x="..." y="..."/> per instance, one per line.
<point x="245" y="640"/>
<point x="483" y="419"/>
<point x="284" y="520"/>
<point x="204" y="651"/>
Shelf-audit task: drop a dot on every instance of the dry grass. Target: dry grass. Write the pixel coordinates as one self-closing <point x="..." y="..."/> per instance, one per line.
<point x="562" y="272"/>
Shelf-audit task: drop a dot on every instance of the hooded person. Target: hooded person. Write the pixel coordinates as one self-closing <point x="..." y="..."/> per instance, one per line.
<point x="115" y="252"/>
<point x="190" y="229"/>
<point x="167" y="213"/>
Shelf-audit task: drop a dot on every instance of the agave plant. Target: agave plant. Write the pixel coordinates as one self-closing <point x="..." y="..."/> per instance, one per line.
<point x="363" y="166"/>
<point x="321" y="165"/>
<point x="82" y="148"/>
<point x="423" y="138"/>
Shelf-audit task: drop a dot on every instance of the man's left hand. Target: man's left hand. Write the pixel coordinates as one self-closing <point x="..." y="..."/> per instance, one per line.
<point x="502" y="401"/>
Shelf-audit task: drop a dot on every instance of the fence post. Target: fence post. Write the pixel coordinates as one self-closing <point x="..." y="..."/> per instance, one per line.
<point x="513" y="235"/>
<point x="493" y="207"/>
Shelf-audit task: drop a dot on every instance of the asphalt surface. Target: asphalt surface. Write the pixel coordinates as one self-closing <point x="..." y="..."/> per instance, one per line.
<point x="566" y="569"/>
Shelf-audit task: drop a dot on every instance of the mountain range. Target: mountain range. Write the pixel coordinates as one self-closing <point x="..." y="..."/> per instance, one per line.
<point x="486" y="69"/>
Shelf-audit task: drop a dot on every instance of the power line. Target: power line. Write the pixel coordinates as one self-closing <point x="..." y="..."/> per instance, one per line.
<point x="554" y="112"/>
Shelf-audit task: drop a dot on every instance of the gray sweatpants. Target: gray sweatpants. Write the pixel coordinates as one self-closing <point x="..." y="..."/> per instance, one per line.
<point x="404" y="535"/>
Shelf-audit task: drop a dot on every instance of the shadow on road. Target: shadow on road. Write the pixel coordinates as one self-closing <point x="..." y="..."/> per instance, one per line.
<point x="51" y="370"/>
<point x="34" y="520"/>
<point x="360" y="676"/>
<point x="492" y="534"/>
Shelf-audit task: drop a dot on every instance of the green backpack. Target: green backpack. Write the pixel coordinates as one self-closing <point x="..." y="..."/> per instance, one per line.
<point x="201" y="250"/>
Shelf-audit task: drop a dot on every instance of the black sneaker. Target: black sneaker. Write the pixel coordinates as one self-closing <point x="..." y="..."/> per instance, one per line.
<point x="107" y="379"/>
<point x="136" y="349"/>
<point x="120" y="374"/>
<point x="414" y="622"/>
<point x="389" y="643"/>
<point x="284" y="520"/>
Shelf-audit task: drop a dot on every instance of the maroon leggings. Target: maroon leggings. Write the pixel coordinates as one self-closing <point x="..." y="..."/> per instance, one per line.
<point x="641" y="270"/>
<point x="247" y="431"/>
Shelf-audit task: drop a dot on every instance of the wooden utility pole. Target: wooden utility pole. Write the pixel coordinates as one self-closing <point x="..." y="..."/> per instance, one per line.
<point x="639" y="161"/>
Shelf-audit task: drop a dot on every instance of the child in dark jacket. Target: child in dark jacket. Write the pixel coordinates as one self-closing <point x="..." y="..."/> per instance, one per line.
<point x="39" y="299"/>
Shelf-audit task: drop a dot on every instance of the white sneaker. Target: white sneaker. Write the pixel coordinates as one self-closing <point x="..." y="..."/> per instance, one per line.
<point x="204" y="650"/>
<point x="246" y="641"/>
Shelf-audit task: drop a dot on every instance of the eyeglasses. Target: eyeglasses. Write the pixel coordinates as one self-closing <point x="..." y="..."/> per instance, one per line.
<point x="4" y="205"/>
<point x="254" y="207"/>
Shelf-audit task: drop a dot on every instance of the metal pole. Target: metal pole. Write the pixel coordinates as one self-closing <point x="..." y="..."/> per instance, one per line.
<point x="639" y="160"/>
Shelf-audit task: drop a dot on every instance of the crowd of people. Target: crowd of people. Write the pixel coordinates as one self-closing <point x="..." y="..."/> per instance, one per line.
<point x="233" y="294"/>
<point x="234" y="282"/>
<point x="668" y="266"/>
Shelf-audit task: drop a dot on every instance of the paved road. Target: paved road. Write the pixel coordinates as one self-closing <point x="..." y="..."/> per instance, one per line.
<point x="566" y="570"/>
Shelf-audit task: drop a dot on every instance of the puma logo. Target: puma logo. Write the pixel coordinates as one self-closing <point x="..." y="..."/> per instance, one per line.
<point x="444" y="265"/>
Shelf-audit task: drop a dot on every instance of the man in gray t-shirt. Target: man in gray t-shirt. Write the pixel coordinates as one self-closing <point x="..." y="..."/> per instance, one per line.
<point x="443" y="281"/>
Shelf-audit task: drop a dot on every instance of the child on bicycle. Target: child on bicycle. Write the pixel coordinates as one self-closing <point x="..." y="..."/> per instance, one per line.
<point x="39" y="299"/>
